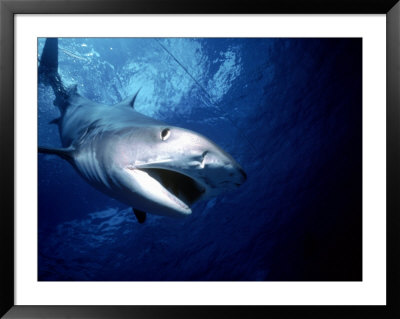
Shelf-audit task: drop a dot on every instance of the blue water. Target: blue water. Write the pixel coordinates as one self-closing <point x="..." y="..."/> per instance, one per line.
<point x="288" y="110"/>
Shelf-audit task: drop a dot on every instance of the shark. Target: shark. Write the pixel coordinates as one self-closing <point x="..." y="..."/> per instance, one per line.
<point x="142" y="162"/>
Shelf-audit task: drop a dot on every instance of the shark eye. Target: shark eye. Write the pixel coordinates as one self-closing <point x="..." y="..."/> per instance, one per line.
<point x="165" y="133"/>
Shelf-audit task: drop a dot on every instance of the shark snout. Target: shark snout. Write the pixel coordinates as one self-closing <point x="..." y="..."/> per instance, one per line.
<point x="224" y="170"/>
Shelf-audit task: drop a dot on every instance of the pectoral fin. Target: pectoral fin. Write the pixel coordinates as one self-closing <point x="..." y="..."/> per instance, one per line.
<point x="55" y="121"/>
<point x="65" y="153"/>
<point x="140" y="216"/>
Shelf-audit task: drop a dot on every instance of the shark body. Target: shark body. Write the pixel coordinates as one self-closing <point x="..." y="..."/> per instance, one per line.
<point x="149" y="165"/>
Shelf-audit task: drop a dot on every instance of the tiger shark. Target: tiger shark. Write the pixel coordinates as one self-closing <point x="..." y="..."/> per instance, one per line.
<point x="142" y="162"/>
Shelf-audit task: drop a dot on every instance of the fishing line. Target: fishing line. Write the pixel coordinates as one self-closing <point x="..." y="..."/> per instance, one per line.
<point x="210" y="99"/>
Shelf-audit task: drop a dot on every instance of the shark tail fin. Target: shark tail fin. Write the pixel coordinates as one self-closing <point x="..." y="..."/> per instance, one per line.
<point x="65" y="153"/>
<point x="48" y="72"/>
<point x="49" y="59"/>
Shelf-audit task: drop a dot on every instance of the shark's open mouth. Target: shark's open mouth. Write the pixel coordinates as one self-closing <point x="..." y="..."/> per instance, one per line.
<point x="168" y="188"/>
<point x="179" y="185"/>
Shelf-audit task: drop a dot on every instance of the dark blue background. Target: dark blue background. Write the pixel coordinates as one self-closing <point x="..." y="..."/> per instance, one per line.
<point x="288" y="110"/>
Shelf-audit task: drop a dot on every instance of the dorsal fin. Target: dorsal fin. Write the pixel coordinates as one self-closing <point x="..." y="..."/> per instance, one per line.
<point x="132" y="102"/>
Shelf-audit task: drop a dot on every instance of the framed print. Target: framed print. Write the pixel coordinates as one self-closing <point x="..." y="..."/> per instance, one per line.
<point x="167" y="160"/>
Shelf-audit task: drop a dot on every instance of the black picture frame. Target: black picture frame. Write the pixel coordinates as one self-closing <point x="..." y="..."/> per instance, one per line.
<point x="8" y="8"/>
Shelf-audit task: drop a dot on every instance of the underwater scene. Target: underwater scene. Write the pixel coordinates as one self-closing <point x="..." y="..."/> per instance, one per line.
<point x="200" y="159"/>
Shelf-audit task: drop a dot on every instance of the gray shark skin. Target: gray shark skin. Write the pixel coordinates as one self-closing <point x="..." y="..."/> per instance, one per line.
<point x="142" y="162"/>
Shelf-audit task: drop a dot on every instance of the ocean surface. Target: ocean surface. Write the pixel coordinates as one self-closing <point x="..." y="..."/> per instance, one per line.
<point x="288" y="110"/>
